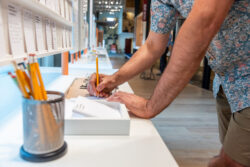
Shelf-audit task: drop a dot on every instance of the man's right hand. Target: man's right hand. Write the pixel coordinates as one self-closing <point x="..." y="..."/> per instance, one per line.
<point x="104" y="89"/>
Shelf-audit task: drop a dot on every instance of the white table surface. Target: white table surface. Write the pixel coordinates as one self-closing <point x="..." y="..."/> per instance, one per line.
<point x="143" y="148"/>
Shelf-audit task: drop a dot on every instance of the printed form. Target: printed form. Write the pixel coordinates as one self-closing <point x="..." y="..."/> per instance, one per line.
<point x="15" y="30"/>
<point x="39" y="33"/>
<point x="48" y="34"/>
<point x="28" y="25"/>
<point x="54" y="35"/>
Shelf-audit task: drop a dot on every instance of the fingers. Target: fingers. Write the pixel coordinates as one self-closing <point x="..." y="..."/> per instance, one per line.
<point x="92" y="85"/>
<point x="103" y="89"/>
<point x="114" y="98"/>
<point x="101" y="86"/>
<point x="119" y="97"/>
<point x="103" y="94"/>
<point x="92" y="89"/>
<point x="122" y="97"/>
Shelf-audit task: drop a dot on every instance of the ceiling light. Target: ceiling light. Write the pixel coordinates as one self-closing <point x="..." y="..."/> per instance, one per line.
<point x="110" y="18"/>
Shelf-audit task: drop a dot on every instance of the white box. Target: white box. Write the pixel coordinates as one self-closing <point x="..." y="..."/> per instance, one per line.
<point x="91" y="125"/>
<point x="98" y="126"/>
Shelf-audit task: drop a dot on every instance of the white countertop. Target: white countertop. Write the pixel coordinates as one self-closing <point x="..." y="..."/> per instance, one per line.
<point x="143" y="148"/>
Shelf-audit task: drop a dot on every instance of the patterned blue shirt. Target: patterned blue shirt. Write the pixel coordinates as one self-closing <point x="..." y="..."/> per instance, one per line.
<point x="228" y="54"/>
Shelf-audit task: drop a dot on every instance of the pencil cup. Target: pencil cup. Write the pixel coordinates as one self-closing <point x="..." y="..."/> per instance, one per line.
<point x="43" y="128"/>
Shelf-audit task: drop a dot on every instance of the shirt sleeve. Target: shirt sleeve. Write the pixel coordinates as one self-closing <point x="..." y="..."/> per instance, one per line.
<point x="163" y="17"/>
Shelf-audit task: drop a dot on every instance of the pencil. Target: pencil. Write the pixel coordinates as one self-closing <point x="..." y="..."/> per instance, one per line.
<point x="97" y="71"/>
<point x="44" y="93"/>
<point x="35" y="85"/>
<point x="25" y="76"/>
<point x="21" y="80"/>
<point x="36" y="78"/>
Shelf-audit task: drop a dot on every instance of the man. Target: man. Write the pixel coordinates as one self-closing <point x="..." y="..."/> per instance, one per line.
<point x="222" y="24"/>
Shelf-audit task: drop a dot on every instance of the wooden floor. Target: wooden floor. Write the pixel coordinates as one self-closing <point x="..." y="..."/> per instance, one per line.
<point x="188" y="126"/>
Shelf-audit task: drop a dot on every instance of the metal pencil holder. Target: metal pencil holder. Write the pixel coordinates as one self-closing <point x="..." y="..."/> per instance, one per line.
<point x="43" y="128"/>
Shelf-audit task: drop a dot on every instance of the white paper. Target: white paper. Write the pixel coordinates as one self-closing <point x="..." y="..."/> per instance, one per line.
<point x="67" y="10"/>
<point x="70" y="39"/>
<point x="57" y="7"/>
<point x="54" y="35"/>
<point x="63" y="38"/>
<point x="70" y="12"/>
<point x="48" y="34"/>
<point x="42" y="1"/>
<point x="28" y="25"/>
<point x="67" y="39"/>
<point x="15" y="29"/>
<point x="90" y="107"/>
<point x="62" y="8"/>
<point x="2" y="40"/>
<point x="39" y="33"/>
<point x="50" y="4"/>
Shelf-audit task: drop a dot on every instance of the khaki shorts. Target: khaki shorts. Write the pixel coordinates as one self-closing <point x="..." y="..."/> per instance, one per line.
<point x="234" y="130"/>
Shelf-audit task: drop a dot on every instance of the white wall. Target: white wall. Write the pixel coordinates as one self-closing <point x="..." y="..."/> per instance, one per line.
<point x="121" y="39"/>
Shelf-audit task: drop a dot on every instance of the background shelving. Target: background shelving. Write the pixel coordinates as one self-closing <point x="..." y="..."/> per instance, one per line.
<point x="61" y="18"/>
<point x="43" y="10"/>
<point x="20" y="58"/>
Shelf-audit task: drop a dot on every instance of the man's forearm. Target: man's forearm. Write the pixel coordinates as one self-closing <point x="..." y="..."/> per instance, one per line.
<point x="143" y="58"/>
<point x="189" y="49"/>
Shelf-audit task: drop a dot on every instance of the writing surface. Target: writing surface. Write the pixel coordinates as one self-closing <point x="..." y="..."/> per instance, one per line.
<point x="28" y="25"/>
<point x="39" y="33"/>
<point x="48" y="34"/>
<point x="15" y="29"/>
<point x="89" y="107"/>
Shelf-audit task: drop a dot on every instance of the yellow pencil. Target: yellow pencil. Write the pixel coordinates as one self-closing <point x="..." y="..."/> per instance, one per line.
<point x="35" y="86"/>
<point x="27" y="81"/>
<point x="44" y="93"/>
<point x="97" y="71"/>
<point x="21" y="80"/>
<point x="36" y="77"/>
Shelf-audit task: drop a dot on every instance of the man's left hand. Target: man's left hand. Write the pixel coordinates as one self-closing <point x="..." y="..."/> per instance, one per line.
<point x="135" y="104"/>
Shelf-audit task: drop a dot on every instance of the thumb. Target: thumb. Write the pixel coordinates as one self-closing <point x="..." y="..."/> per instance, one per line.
<point x="101" y="86"/>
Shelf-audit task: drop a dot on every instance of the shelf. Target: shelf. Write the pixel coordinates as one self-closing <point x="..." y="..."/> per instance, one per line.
<point x="52" y="52"/>
<point x="9" y="58"/>
<point x="43" y="10"/>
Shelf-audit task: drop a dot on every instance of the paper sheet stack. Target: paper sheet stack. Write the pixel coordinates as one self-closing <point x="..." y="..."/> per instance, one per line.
<point x="92" y="107"/>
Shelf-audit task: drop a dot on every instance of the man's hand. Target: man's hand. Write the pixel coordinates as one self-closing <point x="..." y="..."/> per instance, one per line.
<point x="135" y="104"/>
<point x="107" y="84"/>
